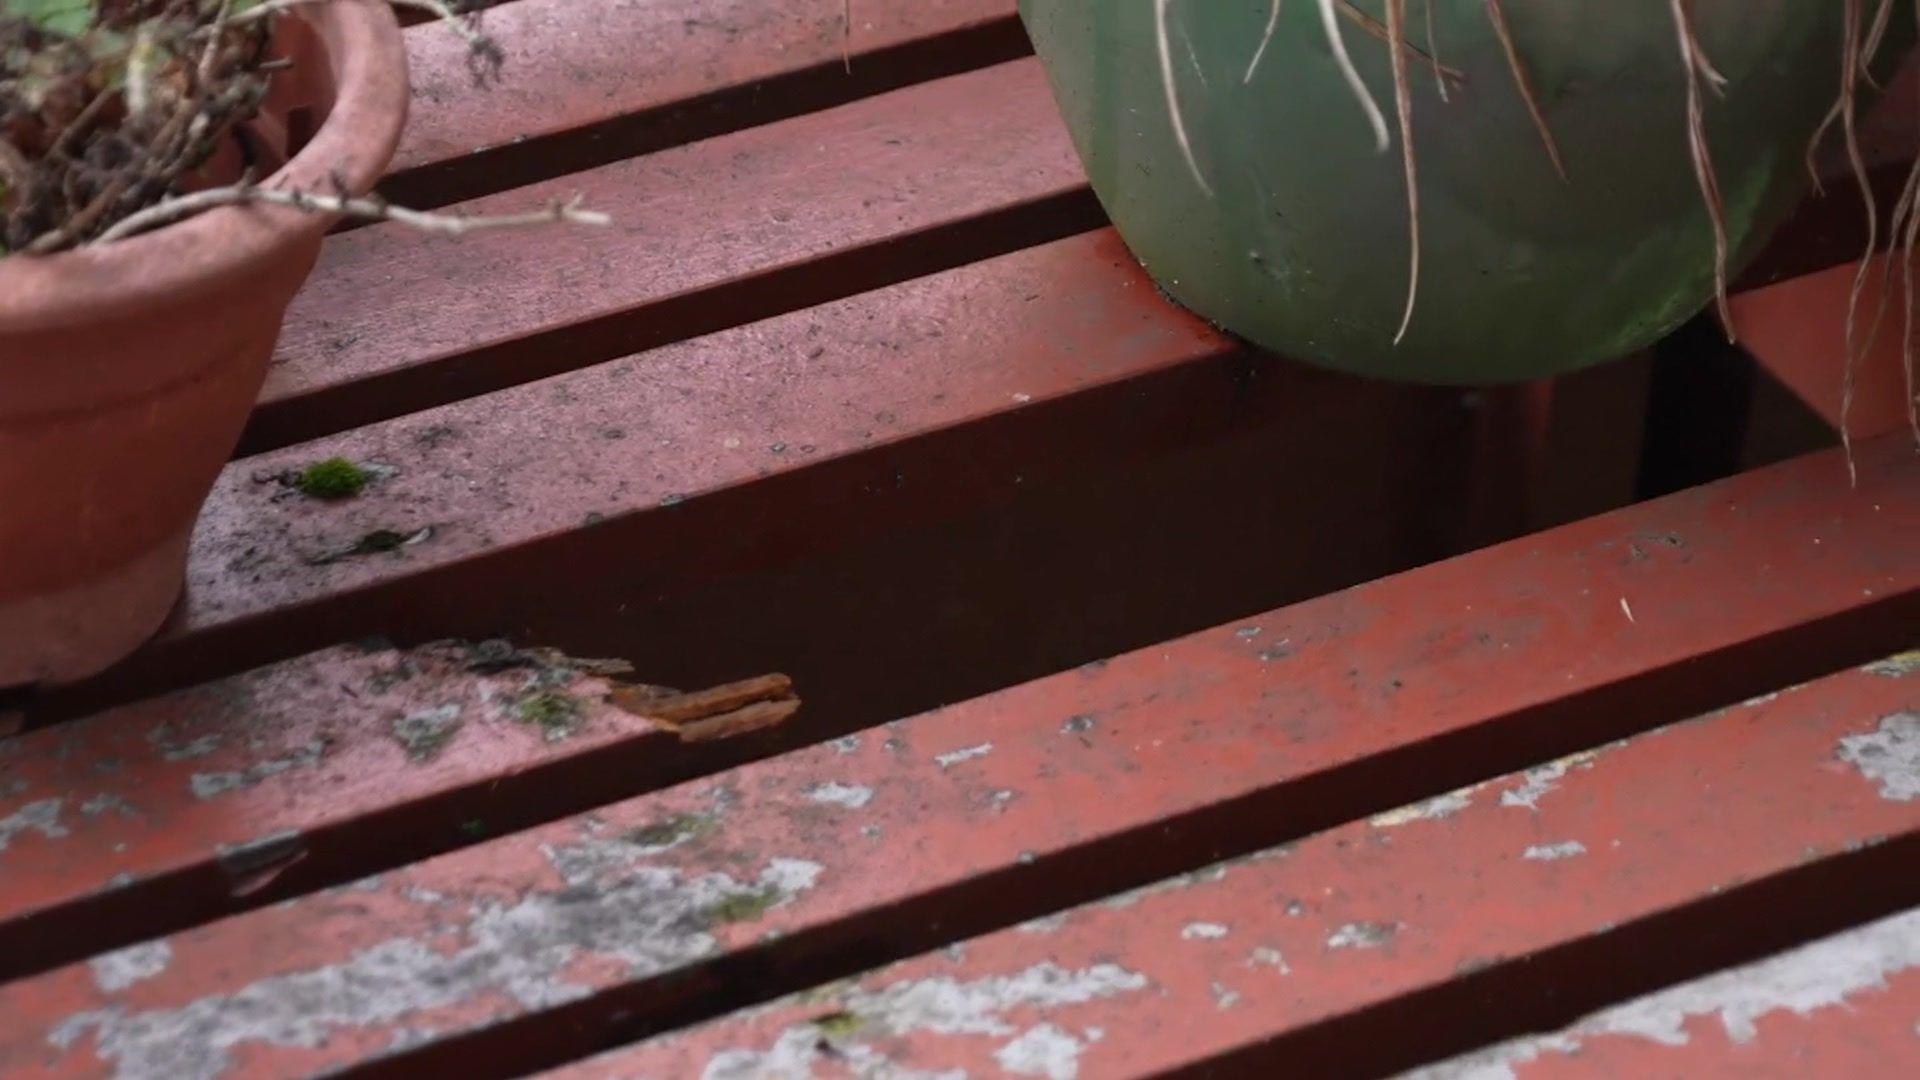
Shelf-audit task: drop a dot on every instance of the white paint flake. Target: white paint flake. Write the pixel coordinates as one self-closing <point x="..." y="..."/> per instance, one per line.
<point x="211" y="785"/>
<point x="936" y="1006"/>
<point x="1820" y="975"/>
<point x="1566" y="849"/>
<point x="1203" y="931"/>
<point x="955" y="757"/>
<point x="1897" y="666"/>
<point x="120" y="969"/>
<point x="650" y="919"/>
<point x="1043" y="1050"/>
<point x="1537" y="782"/>
<point x="851" y="796"/>
<point x="845" y="744"/>
<point x="42" y="817"/>
<point x="1361" y="935"/>
<point x="1890" y="756"/>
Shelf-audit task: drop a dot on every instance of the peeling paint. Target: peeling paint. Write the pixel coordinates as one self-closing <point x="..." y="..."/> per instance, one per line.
<point x="1440" y="806"/>
<point x="115" y="971"/>
<point x="1268" y="956"/>
<point x="1224" y="996"/>
<point x="42" y="817"/>
<point x="1043" y="1050"/>
<point x="163" y="739"/>
<point x="107" y="802"/>
<point x="424" y="734"/>
<point x="851" y="796"/>
<point x="1805" y="980"/>
<point x="1898" y="666"/>
<point x="1203" y="931"/>
<point x="955" y="757"/>
<point x="1566" y="849"/>
<point x="1537" y="782"/>
<point x="1889" y="756"/>
<point x="213" y="785"/>
<point x="649" y="918"/>
<point x="938" y="1006"/>
<point x="1362" y="935"/>
<point x="1045" y="924"/>
<point x="845" y="744"/>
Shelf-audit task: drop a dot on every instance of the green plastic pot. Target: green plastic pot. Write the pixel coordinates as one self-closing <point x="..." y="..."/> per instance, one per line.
<point x="1301" y="245"/>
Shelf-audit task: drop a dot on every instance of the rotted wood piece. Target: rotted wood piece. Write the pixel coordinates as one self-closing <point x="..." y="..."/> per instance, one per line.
<point x="721" y="712"/>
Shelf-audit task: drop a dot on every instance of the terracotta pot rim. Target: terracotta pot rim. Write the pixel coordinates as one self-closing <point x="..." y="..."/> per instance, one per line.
<point x="354" y="142"/>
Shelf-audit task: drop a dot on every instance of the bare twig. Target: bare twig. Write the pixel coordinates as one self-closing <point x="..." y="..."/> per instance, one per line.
<point x="571" y="211"/>
<point x="1524" y="82"/>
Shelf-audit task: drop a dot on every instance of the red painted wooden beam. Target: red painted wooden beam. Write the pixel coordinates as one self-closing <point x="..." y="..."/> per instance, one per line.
<point x="1053" y="792"/>
<point x="155" y="816"/>
<point x="705" y="237"/>
<point x="585" y="84"/>
<point x="1367" y="946"/>
<point x="1846" y="1005"/>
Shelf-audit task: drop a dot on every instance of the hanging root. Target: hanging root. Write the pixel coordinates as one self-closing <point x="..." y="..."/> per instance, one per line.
<point x="1851" y="62"/>
<point x="1330" y="21"/>
<point x="846" y="35"/>
<point x="1163" y="40"/>
<point x="1266" y="39"/>
<point x="1403" y="111"/>
<point x="1696" y="68"/>
<point x="1524" y="83"/>
<point x="1867" y="52"/>
<point x="1433" y="51"/>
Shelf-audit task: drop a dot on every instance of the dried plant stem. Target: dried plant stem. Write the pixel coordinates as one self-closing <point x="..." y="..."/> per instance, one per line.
<point x="1403" y="110"/>
<point x="1697" y="67"/>
<point x="162" y="213"/>
<point x="1266" y="39"/>
<point x="1523" y="81"/>
<point x="1163" y="42"/>
<point x="1330" y="22"/>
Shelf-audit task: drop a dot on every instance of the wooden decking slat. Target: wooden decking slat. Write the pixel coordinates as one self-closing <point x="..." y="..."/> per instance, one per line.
<point x="792" y="869"/>
<point x="1373" y="945"/>
<point x="145" y="819"/>
<point x="706" y="237"/>
<point x="1845" y="1005"/>
<point x="587" y="83"/>
<point x="622" y="480"/>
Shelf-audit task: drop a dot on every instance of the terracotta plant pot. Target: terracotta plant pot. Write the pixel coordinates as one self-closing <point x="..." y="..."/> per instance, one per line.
<point x="127" y="370"/>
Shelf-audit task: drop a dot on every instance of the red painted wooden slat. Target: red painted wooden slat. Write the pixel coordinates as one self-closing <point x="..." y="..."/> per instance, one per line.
<point x="153" y="816"/>
<point x="585" y="83"/>
<point x="1044" y="794"/>
<point x="1041" y="362"/>
<point x="1846" y="1005"/>
<point x="705" y="237"/>
<point x="1250" y="963"/>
